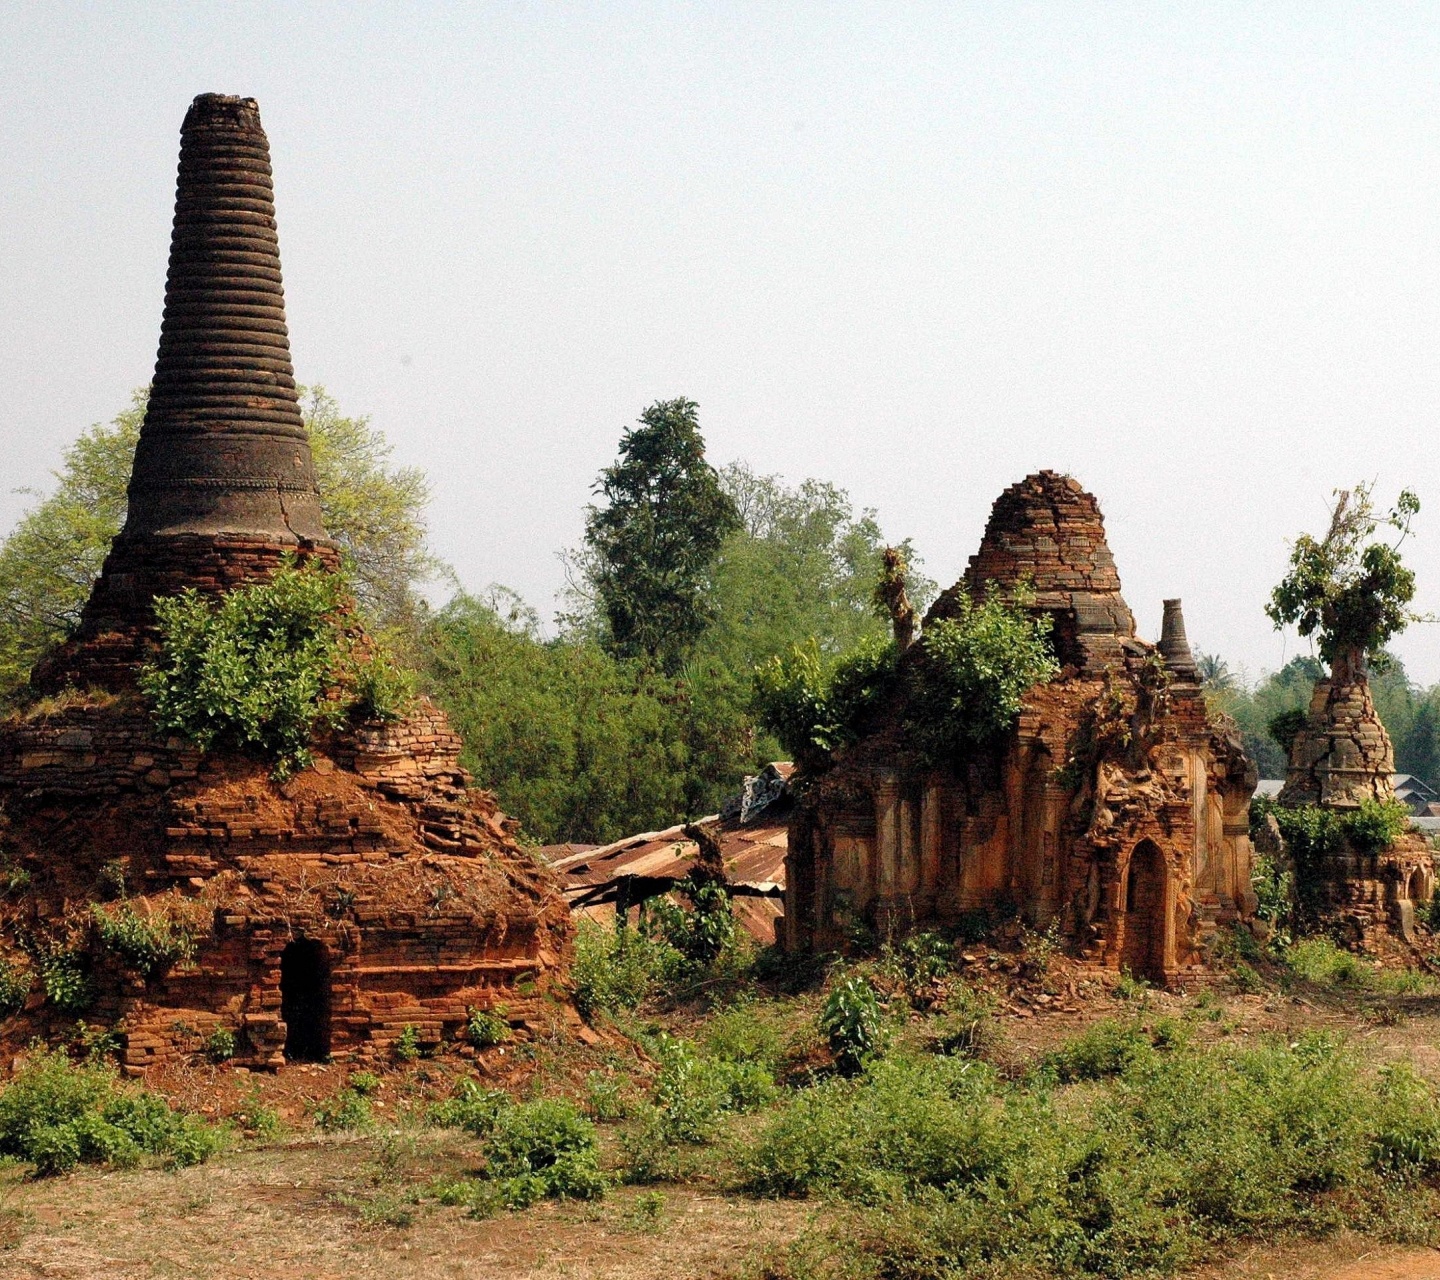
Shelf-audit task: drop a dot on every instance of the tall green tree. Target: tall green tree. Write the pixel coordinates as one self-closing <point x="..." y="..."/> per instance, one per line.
<point x="55" y="552"/>
<point x="375" y="512"/>
<point x="651" y="547"/>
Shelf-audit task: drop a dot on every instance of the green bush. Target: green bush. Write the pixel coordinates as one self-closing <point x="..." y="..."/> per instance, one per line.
<point x="747" y="1032"/>
<point x="1138" y="1170"/>
<point x="700" y="934"/>
<point x="607" y="1099"/>
<point x="618" y="968"/>
<point x="1377" y="824"/>
<point x="1320" y="961"/>
<point x="220" y="1045"/>
<point x="1106" y="1049"/>
<point x="1285" y="726"/>
<point x="485" y="1028"/>
<point x="472" y="1107"/>
<point x="147" y="944"/>
<point x="965" y="1024"/>
<point x="541" y="1149"/>
<point x="973" y="671"/>
<point x="253" y="669"/>
<point x="815" y="704"/>
<point x="407" y="1044"/>
<point x="56" y="1114"/>
<point x="65" y="977"/>
<point x="853" y="1022"/>
<point x="905" y="1124"/>
<point x="345" y="1110"/>
<point x="380" y="688"/>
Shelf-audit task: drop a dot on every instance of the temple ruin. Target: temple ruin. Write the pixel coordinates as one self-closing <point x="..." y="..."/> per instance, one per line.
<point x="374" y="892"/>
<point x="1117" y="809"/>
<point x="1340" y="758"/>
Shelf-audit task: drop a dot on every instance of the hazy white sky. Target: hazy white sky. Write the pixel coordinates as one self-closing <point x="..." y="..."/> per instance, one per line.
<point x="1186" y="252"/>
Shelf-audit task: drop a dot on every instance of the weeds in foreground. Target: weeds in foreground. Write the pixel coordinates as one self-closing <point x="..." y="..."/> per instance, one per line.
<point x="57" y="1114"/>
<point x="1167" y="1150"/>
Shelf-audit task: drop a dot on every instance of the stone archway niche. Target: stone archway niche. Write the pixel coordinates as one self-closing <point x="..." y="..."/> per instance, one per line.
<point x="305" y="1000"/>
<point x="1143" y="953"/>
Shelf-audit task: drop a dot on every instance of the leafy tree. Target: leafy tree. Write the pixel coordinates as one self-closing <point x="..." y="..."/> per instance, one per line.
<point x="652" y="546"/>
<point x="375" y="513"/>
<point x="974" y="671"/>
<point x="577" y="744"/>
<point x="1352" y="593"/>
<point x="53" y="555"/>
<point x="801" y="566"/>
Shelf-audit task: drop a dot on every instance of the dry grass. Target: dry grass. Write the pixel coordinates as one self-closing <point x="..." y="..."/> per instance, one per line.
<point x="317" y="1210"/>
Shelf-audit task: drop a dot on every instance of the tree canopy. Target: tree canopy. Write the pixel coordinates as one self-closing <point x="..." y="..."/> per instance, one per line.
<point x="1350" y="592"/>
<point x="652" y="545"/>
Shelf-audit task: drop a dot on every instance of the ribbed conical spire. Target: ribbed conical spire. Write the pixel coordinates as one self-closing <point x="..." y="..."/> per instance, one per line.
<point x="223" y="449"/>
<point x="223" y="486"/>
<point x="1174" y="647"/>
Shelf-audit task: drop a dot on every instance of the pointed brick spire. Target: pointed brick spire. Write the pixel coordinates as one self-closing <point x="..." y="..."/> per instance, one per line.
<point x="223" y="485"/>
<point x="223" y="450"/>
<point x="1174" y="647"/>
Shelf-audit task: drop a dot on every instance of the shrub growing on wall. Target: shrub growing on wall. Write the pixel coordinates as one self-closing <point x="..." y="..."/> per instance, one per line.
<point x="975" y="670"/>
<point x="263" y="667"/>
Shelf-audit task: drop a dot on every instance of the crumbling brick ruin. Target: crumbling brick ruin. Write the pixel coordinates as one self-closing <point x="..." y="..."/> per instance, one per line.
<point x="1117" y="809"/>
<point x="373" y="892"/>
<point x="1339" y="759"/>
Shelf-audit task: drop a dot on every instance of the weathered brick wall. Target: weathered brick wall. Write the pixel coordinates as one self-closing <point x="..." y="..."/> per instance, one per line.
<point x="408" y="878"/>
<point x="118" y="621"/>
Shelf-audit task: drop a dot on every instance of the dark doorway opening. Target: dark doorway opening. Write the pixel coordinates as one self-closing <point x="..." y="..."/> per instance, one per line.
<point x="1144" y="950"/>
<point x="305" y="1000"/>
<point x="1417" y="888"/>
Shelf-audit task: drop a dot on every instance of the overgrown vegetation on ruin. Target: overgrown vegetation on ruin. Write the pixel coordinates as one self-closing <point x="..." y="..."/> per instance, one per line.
<point x="1313" y="833"/>
<point x="1350" y="591"/>
<point x="961" y="683"/>
<point x="265" y="667"/>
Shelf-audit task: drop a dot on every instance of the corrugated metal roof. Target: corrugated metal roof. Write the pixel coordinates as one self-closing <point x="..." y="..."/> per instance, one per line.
<point x="646" y="864"/>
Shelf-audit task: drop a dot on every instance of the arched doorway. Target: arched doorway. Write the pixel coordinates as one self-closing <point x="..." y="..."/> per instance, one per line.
<point x="1416" y="891"/>
<point x="1144" y="950"/>
<point x="305" y="1000"/>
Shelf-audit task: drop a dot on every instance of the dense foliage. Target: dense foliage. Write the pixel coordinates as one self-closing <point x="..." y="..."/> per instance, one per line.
<point x="56" y="1114"/>
<point x="962" y="684"/>
<point x="816" y="704"/>
<point x="583" y="745"/>
<point x="54" y="553"/>
<point x="1352" y="593"/>
<point x="974" y="669"/>
<point x="1172" y="1150"/>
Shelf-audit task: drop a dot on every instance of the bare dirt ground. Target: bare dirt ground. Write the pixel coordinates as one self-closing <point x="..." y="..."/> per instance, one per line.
<point x="312" y="1207"/>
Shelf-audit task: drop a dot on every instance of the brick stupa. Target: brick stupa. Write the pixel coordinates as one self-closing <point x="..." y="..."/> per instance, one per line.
<point x="1116" y="810"/>
<point x="374" y="892"/>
